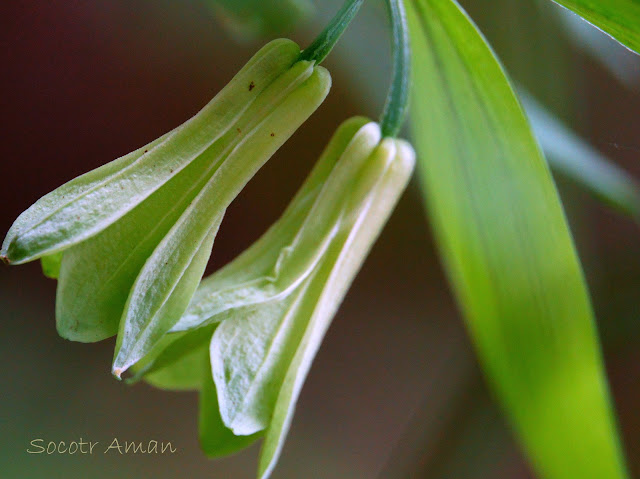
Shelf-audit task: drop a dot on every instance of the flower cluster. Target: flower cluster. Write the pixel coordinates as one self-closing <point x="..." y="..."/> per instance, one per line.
<point x="129" y="243"/>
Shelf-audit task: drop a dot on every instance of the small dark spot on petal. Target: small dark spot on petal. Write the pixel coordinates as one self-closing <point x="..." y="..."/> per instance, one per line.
<point x="239" y="130"/>
<point x="252" y="85"/>
<point x="171" y="170"/>
<point x="273" y="134"/>
<point x="146" y="151"/>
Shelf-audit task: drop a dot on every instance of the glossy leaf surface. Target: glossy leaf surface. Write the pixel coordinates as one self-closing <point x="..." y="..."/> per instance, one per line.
<point x="508" y="250"/>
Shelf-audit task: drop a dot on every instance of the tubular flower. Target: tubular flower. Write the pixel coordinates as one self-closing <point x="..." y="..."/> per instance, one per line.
<point x="129" y="241"/>
<point x="260" y="319"/>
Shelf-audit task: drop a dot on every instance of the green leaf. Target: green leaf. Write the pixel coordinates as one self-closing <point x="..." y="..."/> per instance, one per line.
<point x="252" y="18"/>
<point x="572" y="157"/>
<point x="618" y="18"/>
<point x="154" y="306"/>
<point x="508" y="250"/>
<point x="621" y="62"/>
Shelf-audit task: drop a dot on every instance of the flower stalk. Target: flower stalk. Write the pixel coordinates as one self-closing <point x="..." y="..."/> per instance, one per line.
<point x="324" y="43"/>
<point x="396" y="106"/>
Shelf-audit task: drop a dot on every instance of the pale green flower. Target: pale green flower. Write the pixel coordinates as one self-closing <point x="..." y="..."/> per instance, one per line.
<point x="130" y="240"/>
<point x="275" y="302"/>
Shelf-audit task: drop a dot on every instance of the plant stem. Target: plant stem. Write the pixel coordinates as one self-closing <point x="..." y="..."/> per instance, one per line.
<point x="397" y="100"/>
<point x="324" y="43"/>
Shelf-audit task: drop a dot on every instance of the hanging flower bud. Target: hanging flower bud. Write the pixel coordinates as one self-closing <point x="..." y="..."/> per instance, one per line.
<point x="275" y="302"/>
<point x="131" y="239"/>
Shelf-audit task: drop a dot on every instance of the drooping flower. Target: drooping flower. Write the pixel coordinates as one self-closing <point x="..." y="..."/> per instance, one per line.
<point x="260" y="319"/>
<point x="129" y="241"/>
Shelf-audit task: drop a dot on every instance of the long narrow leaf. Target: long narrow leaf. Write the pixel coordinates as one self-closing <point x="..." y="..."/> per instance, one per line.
<point x="249" y="18"/>
<point x="623" y="63"/>
<point x="618" y="18"/>
<point x="507" y="249"/>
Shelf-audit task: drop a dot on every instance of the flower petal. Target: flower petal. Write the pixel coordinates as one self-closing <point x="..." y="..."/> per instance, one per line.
<point x="177" y="362"/>
<point x="51" y="265"/>
<point x="326" y="291"/>
<point x="216" y="439"/>
<point x="141" y="325"/>
<point x="251" y="352"/>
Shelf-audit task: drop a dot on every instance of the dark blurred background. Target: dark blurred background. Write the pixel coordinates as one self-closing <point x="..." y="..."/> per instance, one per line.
<point x="395" y="391"/>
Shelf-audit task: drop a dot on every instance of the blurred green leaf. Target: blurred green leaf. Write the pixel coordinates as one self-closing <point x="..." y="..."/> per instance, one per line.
<point x="571" y="156"/>
<point x="507" y="249"/>
<point x="251" y="18"/>
<point x="618" y="18"/>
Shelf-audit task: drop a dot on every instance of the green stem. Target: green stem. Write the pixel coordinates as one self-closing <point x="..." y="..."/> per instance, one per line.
<point x="324" y="43"/>
<point x="397" y="100"/>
